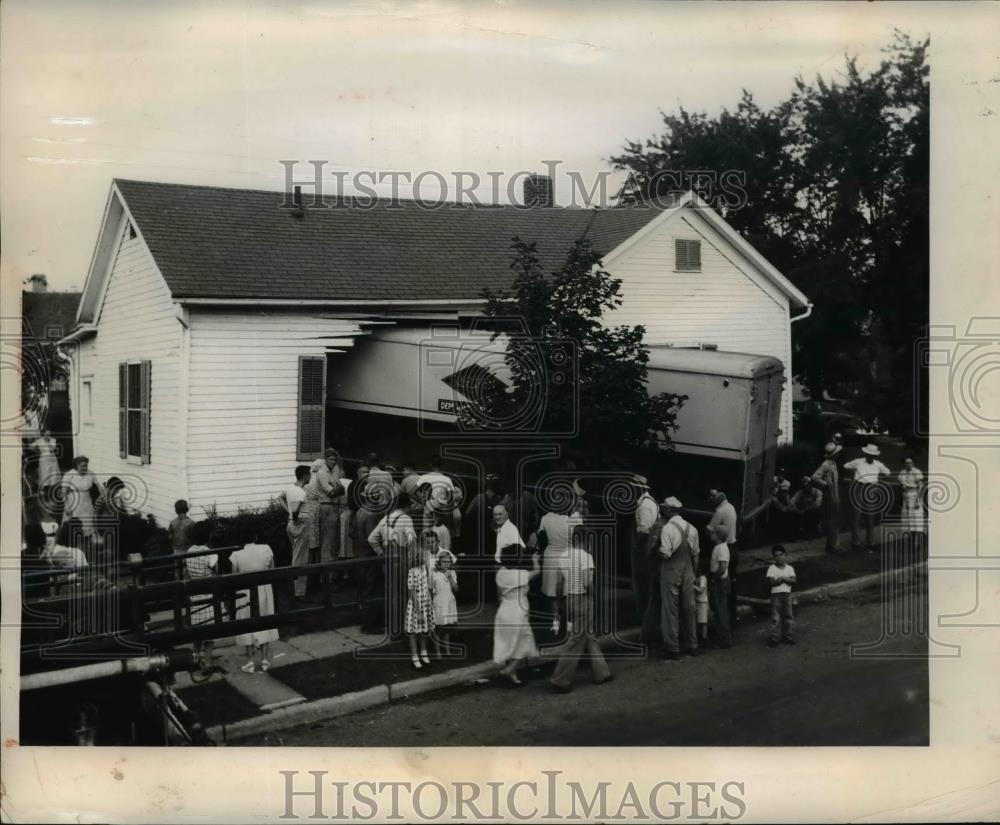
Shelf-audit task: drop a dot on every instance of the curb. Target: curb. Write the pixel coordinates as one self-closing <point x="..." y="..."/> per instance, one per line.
<point x="334" y="706"/>
<point x="450" y="678"/>
<point x="303" y="713"/>
<point x="348" y="703"/>
<point x="826" y="591"/>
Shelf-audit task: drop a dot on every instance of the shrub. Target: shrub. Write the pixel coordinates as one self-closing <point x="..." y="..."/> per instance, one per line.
<point x="265" y="525"/>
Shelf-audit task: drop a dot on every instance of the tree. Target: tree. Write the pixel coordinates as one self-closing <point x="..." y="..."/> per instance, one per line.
<point x="836" y="197"/>
<point x="572" y="379"/>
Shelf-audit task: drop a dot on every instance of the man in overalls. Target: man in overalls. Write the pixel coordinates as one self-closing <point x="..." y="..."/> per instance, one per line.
<point x="679" y="551"/>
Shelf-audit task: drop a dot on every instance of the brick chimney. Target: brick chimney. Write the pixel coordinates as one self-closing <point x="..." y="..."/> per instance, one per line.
<point x="539" y="191"/>
<point x="38" y="283"/>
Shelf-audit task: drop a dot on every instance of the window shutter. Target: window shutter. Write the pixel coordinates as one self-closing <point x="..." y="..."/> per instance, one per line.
<point x="122" y="410"/>
<point x="145" y="397"/>
<point x="687" y="255"/>
<point x="312" y="407"/>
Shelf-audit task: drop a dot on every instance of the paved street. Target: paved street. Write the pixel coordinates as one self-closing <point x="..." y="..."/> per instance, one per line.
<point x="812" y="693"/>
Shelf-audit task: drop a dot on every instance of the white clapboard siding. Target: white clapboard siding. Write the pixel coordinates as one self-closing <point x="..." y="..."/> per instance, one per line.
<point x="728" y="303"/>
<point x="243" y="401"/>
<point x="137" y="321"/>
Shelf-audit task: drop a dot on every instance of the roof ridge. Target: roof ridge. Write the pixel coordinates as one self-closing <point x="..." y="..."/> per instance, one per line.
<point x="592" y="210"/>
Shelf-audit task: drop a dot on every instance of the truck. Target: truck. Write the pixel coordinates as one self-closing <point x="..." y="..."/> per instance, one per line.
<point x="727" y="429"/>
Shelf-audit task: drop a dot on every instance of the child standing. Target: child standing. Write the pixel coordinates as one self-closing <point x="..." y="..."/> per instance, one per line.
<point x="180" y="528"/>
<point x="200" y="607"/>
<point x="701" y="603"/>
<point x="441" y="530"/>
<point x="444" y="585"/>
<point x="781" y="575"/>
<point x="419" y="621"/>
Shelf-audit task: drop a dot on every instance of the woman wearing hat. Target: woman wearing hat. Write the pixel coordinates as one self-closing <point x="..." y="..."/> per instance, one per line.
<point x="827" y="478"/>
<point x="866" y="471"/>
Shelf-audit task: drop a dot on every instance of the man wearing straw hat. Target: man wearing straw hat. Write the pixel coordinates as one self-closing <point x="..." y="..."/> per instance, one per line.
<point x="646" y="514"/>
<point x="827" y="479"/>
<point x="679" y="554"/>
<point x="866" y="471"/>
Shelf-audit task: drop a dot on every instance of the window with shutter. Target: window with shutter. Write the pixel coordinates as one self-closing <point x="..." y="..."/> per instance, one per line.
<point x="312" y="407"/>
<point x="134" y="396"/>
<point x="687" y="255"/>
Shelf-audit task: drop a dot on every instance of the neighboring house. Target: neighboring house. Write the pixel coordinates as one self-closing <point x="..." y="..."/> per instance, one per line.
<point x="46" y="317"/>
<point x="218" y="332"/>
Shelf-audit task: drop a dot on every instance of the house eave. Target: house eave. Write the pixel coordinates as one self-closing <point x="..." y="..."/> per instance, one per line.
<point x="78" y="334"/>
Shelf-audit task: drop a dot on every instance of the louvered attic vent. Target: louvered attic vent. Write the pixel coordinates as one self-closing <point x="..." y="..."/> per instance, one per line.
<point x="687" y="255"/>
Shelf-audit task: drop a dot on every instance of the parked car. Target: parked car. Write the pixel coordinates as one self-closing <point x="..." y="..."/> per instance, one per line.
<point x="817" y="421"/>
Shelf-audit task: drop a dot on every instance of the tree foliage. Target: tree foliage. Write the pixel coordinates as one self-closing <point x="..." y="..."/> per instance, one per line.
<point x="836" y="197"/>
<point x="572" y="379"/>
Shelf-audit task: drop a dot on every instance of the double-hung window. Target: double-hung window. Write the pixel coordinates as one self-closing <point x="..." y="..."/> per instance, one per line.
<point x="134" y="394"/>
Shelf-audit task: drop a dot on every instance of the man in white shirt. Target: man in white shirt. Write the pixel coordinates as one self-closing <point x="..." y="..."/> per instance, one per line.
<point x="293" y="499"/>
<point x="725" y="516"/>
<point x="867" y="471"/>
<point x="679" y="549"/>
<point x="577" y="574"/>
<point x="647" y="511"/>
<point x="505" y="529"/>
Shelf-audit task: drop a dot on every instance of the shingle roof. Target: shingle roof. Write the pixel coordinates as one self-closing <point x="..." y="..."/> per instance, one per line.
<point x="46" y="315"/>
<point x="236" y="243"/>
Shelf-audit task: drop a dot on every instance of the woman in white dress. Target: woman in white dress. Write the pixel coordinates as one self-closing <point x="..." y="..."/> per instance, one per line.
<point x="251" y="558"/>
<point x="911" y="480"/>
<point x="513" y="641"/>
<point x="49" y="474"/>
<point x="80" y="487"/>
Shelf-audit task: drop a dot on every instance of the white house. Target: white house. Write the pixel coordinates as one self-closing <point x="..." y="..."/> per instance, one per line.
<point x="217" y="329"/>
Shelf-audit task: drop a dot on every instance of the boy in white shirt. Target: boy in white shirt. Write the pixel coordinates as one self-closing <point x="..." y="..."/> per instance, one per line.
<point x="781" y="576"/>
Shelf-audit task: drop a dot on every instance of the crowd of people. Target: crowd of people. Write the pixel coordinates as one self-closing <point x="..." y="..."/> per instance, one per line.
<point x="414" y="528"/>
<point x="815" y="507"/>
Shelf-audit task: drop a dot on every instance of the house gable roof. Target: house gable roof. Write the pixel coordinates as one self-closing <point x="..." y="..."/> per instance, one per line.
<point x="235" y="243"/>
<point x="212" y="243"/>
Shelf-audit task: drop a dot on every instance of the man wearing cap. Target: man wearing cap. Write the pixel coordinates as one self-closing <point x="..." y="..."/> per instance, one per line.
<point x="646" y="514"/>
<point x="679" y="551"/>
<point x="827" y="478"/>
<point x="866" y="471"/>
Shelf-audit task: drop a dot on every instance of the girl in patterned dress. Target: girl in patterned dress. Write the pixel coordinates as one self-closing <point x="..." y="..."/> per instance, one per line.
<point x="419" y="620"/>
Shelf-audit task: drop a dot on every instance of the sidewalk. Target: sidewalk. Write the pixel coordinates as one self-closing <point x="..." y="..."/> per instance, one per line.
<point x="334" y="672"/>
